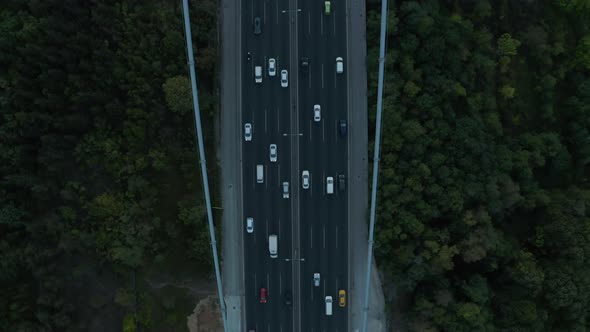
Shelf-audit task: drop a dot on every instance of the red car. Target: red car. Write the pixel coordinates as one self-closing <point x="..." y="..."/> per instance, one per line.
<point x="263" y="295"/>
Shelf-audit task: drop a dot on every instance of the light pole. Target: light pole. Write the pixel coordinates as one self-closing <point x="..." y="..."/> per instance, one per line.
<point x="294" y="259"/>
<point x="290" y="11"/>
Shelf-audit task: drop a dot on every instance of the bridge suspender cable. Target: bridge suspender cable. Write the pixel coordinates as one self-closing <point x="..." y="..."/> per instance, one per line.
<point x="191" y="62"/>
<point x="375" y="161"/>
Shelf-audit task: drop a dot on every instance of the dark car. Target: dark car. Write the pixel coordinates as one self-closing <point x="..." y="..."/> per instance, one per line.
<point x="343" y="128"/>
<point x="341" y="182"/>
<point x="263" y="295"/>
<point x="257" y="28"/>
<point x="288" y="300"/>
<point x="304" y="62"/>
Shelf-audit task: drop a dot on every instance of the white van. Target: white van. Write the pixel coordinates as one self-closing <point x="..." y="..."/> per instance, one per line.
<point x="328" y="306"/>
<point x="329" y="185"/>
<point x="260" y="173"/>
<point x="258" y="74"/>
<point x="273" y="246"/>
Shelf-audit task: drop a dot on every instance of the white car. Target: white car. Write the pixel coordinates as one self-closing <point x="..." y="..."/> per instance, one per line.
<point x="284" y="78"/>
<point x="273" y="153"/>
<point x="250" y="225"/>
<point x="317" y="113"/>
<point x="247" y="132"/>
<point x="329" y="185"/>
<point x="316" y="279"/>
<point x="339" y="65"/>
<point x="305" y="179"/>
<point x="272" y="67"/>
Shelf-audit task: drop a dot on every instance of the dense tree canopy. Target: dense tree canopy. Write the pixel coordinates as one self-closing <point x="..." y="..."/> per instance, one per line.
<point x="483" y="219"/>
<point x="97" y="150"/>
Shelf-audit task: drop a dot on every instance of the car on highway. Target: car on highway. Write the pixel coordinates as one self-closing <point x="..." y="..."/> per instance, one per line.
<point x="263" y="295"/>
<point x="341" y="182"/>
<point x="305" y="179"/>
<point x="328" y="306"/>
<point x="285" y="189"/>
<point x="329" y="185"/>
<point x="288" y="298"/>
<point x="258" y="74"/>
<point x="257" y="26"/>
<point x="284" y="78"/>
<point x="304" y="62"/>
<point x="272" y="67"/>
<point x="316" y="279"/>
<point x="343" y="128"/>
<point x="317" y="113"/>
<point x="342" y="298"/>
<point x="327" y="7"/>
<point x="339" y="65"/>
<point x="273" y="153"/>
<point x="247" y="132"/>
<point x="250" y="225"/>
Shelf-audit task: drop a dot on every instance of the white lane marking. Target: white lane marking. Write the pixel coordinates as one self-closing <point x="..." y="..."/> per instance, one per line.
<point x="279" y="176"/>
<point x="265" y="120"/>
<point x="309" y="74"/>
<point x="280" y="227"/>
<point x="310" y="187"/>
<point x="334" y="20"/>
<point x="321" y="24"/>
<point x="277" y="14"/>
<point x="324" y="131"/>
<point x="255" y="285"/>
<point x="310" y="132"/>
<point x="280" y="281"/>
<point x="322" y="75"/>
<point x="311" y="236"/>
<point x="336" y="237"/>
<point x="264" y="13"/>
<point x="265" y="66"/>
<point x="324" y="231"/>
<point x="266" y="225"/>
<point x="309" y="22"/>
<point x="336" y="131"/>
<point x="265" y="176"/>
<point x="278" y="121"/>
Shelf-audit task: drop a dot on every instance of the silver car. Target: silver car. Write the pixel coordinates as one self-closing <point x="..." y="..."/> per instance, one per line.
<point x="273" y="153"/>
<point x="317" y="113"/>
<point x="272" y="67"/>
<point x="247" y="132"/>
<point x="250" y="225"/>
<point x="284" y="78"/>
<point x="316" y="279"/>
<point x="305" y="179"/>
<point x="285" y="189"/>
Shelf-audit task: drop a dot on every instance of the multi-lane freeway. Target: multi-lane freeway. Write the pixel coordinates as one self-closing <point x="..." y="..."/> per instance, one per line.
<point x="311" y="224"/>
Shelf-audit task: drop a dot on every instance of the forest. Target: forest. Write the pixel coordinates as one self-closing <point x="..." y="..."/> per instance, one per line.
<point x="484" y="195"/>
<point x="100" y="186"/>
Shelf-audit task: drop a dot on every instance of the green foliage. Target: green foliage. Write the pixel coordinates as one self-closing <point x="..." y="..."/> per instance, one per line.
<point x="97" y="149"/>
<point x="178" y="94"/>
<point x="482" y="221"/>
<point x="507" y="45"/>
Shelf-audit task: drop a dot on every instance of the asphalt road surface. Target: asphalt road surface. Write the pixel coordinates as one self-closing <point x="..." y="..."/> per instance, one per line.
<point x="311" y="225"/>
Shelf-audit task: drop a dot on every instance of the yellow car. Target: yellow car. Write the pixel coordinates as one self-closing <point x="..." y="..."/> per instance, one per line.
<point x="342" y="298"/>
